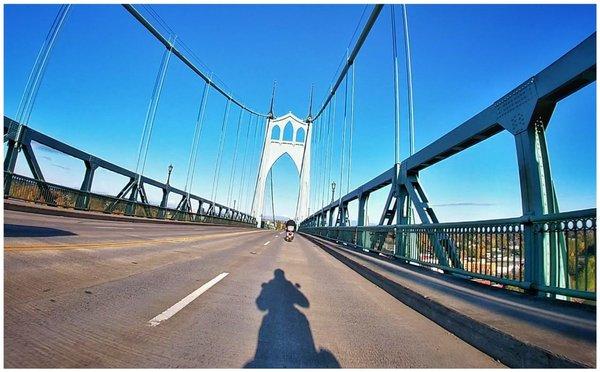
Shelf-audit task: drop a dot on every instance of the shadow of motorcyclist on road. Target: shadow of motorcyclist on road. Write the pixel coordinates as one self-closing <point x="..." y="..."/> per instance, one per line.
<point x="285" y="338"/>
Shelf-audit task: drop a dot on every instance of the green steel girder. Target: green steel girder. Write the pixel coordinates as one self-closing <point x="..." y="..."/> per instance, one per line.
<point x="19" y="136"/>
<point x="524" y="112"/>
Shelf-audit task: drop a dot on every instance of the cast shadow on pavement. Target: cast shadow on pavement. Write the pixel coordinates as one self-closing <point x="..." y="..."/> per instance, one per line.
<point x="285" y="339"/>
<point x="25" y="231"/>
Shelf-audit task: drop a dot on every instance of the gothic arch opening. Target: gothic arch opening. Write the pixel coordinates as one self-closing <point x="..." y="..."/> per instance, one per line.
<point x="288" y="132"/>
<point x="300" y="135"/>
<point x="286" y="188"/>
<point x="276" y="133"/>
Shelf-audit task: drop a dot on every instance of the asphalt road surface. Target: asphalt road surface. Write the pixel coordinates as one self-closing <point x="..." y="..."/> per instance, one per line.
<point x="86" y="293"/>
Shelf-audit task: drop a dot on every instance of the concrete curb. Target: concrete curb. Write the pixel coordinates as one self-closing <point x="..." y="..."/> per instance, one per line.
<point x="54" y="211"/>
<point x="499" y="345"/>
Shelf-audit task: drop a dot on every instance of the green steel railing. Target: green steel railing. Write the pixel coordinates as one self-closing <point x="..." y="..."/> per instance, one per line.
<point x="493" y="250"/>
<point x="29" y="189"/>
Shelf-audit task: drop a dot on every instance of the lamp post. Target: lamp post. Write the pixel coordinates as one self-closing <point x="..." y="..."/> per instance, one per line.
<point x="332" y="190"/>
<point x="169" y="169"/>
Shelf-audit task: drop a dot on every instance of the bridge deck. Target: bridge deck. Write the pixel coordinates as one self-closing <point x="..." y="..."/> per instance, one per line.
<point x="564" y="329"/>
<point x="80" y="293"/>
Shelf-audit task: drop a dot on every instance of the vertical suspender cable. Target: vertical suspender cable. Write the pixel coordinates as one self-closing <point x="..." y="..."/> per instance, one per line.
<point x="411" y="118"/>
<point x="232" y="173"/>
<point x="343" y="149"/>
<point x="151" y="115"/>
<point x="195" y="141"/>
<point x="351" y="130"/>
<point x="327" y="149"/>
<point x="39" y="67"/>
<point x="272" y="197"/>
<point x="201" y="115"/>
<point x="318" y="165"/>
<point x="311" y="196"/>
<point x="254" y="146"/>
<point x="258" y="145"/>
<point x="241" y="186"/>
<point x="332" y="139"/>
<point x="325" y="156"/>
<point x="219" y="154"/>
<point x="396" y="89"/>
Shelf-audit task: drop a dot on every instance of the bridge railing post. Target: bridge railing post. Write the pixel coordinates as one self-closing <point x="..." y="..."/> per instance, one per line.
<point x="545" y="260"/>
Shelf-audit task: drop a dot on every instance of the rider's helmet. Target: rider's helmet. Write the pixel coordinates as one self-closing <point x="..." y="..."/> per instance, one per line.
<point x="290" y="225"/>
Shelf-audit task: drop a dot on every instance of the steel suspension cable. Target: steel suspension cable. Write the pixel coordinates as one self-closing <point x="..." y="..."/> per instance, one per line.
<point x="196" y="140"/>
<point x="151" y="115"/>
<point x="140" y="18"/>
<point x="39" y="67"/>
<point x="343" y="138"/>
<point x="396" y="89"/>
<point x="351" y="130"/>
<point x="317" y="162"/>
<point x="250" y="170"/>
<point x="411" y="118"/>
<point x="272" y="197"/>
<point x="327" y="151"/>
<point x="359" y="43"/>
<point x="219" y="154"/>
<point x="331" y="143"/>
<point x="243" y="180"/>
<point x="232" y="173"/>
<point x="202" y="112"/>
<point x="258" y="150"/>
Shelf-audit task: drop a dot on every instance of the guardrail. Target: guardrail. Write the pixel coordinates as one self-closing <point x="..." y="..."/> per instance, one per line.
<point x="492" y="250"/>
<point x="28" y="189"/>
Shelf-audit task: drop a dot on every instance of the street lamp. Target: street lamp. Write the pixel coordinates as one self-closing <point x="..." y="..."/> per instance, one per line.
<point x="169" y="169"/>
<point x="332" y="190"/>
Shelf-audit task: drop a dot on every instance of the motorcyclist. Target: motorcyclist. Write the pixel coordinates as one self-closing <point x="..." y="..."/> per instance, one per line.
<point x="290" y="228"/>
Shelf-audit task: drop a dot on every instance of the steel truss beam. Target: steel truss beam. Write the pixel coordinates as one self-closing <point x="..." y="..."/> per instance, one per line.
<point x="524" y="112"/>
<point x="19" y="137"/>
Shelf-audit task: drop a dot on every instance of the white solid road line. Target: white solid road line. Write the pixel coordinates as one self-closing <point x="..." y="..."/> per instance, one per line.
<point x="185" y="301"/>
<point x="267" y="242"/>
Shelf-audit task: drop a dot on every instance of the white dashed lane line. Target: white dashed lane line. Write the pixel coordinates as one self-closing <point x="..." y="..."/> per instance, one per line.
<point x="267" y="242"/>
<point x="185" y="301"/>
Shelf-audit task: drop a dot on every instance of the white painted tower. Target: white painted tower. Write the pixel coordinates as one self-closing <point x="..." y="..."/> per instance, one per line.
<point x="274" y="147"/>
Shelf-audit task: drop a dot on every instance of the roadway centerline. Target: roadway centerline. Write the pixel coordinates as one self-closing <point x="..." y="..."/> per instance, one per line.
<point x="267" y="242"/>
<point x="185" y="301"/>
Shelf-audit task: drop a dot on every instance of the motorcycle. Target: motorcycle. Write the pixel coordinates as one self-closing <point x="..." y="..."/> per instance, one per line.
<point x="290" y="228"/>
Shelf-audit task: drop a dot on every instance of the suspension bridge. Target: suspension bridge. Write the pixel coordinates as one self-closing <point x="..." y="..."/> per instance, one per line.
<point x="193" y="279"/>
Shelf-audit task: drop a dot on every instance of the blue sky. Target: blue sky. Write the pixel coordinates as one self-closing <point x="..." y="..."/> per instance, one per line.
<point x="99" y="81"/>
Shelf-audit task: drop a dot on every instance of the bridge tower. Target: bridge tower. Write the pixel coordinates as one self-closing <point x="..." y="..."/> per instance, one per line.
<point x="275" y="146"/>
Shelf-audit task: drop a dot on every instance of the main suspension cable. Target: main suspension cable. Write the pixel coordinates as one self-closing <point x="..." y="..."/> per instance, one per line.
<point x="359" y="43"/>
<point x="140" y="18"/>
